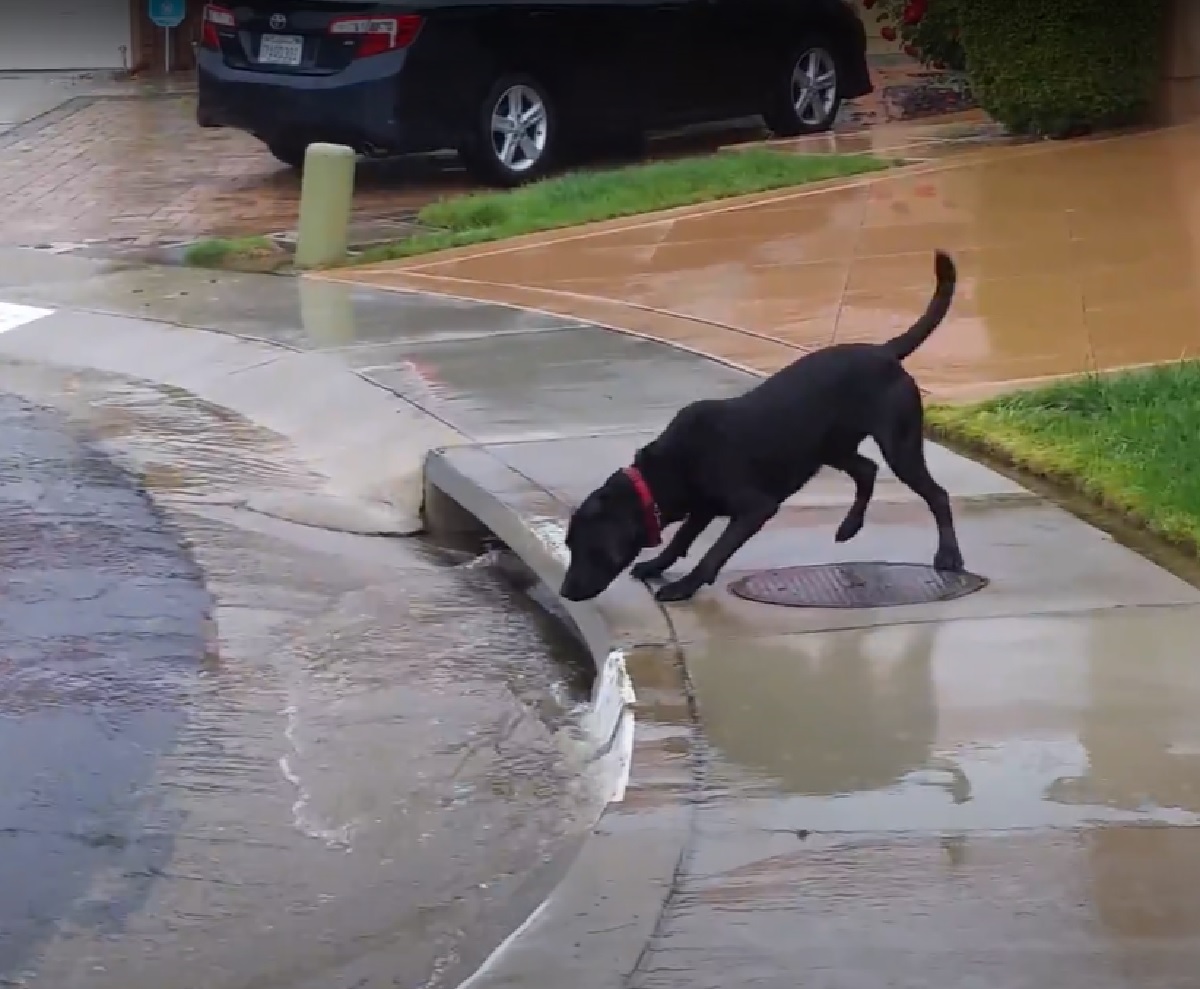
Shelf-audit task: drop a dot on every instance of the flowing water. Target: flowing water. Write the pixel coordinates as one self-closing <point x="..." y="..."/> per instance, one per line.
<point x="374" y="774"/>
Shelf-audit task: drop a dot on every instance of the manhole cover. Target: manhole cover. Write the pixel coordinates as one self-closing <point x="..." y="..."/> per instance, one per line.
<point x="855" y="585"/>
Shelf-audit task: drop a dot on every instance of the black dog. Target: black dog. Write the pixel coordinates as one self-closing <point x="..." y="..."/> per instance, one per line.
<point x="743" y="457"/>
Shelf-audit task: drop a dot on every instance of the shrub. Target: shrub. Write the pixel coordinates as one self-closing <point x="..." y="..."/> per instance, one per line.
<point x="1064" y="67"/>
<point x="928" y="30"/>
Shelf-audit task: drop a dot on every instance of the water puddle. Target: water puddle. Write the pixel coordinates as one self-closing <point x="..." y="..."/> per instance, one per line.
<point x="1058" y="721"/>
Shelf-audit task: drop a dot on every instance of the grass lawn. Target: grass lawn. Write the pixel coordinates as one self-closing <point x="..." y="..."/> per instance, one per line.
<point x="245" y="253"/>
<point x="1129" y="441"/>
<point x="589" y="196"/>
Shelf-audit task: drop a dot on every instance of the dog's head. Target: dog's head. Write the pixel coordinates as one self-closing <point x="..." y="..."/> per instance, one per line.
<point x="605" y="535"/>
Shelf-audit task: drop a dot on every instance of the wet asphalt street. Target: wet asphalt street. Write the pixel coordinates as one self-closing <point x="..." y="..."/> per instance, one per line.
<point x="267" y="753"/>
<point x="103" y="623"/>
<point x="385" y="765"/>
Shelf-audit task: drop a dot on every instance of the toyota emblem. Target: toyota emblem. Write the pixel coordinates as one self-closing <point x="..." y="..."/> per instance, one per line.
<point x="278" y="22"/>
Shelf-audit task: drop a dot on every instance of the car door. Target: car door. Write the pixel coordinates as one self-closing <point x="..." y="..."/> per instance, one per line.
<point x="589" y="53"/>
<point x="713" y="56"/>
<point x="678" y="45"/>
<point x="742" y="40"/>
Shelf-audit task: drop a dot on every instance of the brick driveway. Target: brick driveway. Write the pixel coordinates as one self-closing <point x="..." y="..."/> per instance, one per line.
<point x="133" y="169"/>
<point x="139" y="171"/>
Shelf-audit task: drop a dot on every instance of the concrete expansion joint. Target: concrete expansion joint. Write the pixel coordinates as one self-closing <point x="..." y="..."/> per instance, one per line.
<point x="998" y="499"/>
<point x="984" y="619"/>
<point x="698" y="759"/>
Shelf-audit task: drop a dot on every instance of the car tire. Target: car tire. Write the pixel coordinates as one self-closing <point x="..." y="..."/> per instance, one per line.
<point x="290" y="152"/>
<point x="806" y="94"/>
<point x="516" y="134"/>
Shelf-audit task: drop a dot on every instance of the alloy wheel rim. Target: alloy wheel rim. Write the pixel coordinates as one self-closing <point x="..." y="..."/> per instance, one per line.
<point x="814" y="86"/>
<point x="519" y="128"/>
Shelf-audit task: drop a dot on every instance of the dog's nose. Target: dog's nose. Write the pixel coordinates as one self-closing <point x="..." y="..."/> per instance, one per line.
<point x="576" y="589"/>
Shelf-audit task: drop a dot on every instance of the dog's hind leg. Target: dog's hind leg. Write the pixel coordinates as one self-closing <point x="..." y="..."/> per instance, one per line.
<point x="742" y="525"/>
<point x="902" y="444"/>
<point x="862" y="471"/>
<point x="677" y="548"/>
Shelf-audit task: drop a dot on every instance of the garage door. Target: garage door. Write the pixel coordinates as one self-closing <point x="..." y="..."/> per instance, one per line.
<point x="65" y="34"/>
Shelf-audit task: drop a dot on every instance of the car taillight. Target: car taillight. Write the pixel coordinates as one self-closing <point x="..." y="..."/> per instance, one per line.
<point x="215" y="17"/>
<point x="377" y="35"/>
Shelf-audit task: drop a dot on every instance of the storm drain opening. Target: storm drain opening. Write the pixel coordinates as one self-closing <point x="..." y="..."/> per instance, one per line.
<point x="855" y="585"/>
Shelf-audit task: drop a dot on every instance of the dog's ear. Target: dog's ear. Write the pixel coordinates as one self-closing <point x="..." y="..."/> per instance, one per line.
<point x="611" y="490"/>
<point x="648" y="456"/>
<point x="592" y="507"/>
<point x="588" y="509"/>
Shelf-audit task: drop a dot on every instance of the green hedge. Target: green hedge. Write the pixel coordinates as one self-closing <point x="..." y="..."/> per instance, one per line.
<point x="1063" y="67"/>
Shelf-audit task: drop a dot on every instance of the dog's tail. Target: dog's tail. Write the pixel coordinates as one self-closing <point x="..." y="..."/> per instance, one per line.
<point x="908" y="341"/>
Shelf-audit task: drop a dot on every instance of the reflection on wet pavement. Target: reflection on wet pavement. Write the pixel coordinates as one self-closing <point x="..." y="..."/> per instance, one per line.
<point x="371" y="779"/>
<point x="965" y="727"/>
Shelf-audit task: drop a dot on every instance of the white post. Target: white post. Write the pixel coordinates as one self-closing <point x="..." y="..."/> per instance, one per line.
<point x="326" y="197"/>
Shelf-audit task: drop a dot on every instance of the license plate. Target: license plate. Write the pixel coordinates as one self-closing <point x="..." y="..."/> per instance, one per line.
<point x="281" y="49"/>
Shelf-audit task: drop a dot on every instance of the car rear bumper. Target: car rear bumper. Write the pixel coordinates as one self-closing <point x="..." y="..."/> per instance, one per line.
<point x="855" y="73"/>
<point x="357" y="107"/>
<point x="856" y="79"/>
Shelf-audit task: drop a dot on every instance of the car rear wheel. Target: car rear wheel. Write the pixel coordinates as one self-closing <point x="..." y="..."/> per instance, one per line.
<point x="290" y="152"/>
<point x="515" y="137"/>
<point x="805" y="97"/>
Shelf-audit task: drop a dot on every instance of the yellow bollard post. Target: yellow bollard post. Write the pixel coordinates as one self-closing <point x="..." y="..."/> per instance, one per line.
<point x="326" y="194"/>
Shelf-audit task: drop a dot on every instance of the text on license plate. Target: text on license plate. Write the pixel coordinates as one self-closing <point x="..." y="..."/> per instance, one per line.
<point x="281" y="49"/>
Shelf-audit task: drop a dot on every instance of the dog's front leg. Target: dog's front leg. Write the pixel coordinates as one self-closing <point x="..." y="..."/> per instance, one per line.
<point x="678" y="547"/>
<point x="862" y="471"/>
<point x="741" y="527"/>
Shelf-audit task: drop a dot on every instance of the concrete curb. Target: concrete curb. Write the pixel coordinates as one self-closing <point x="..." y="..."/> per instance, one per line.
<point x="593" y="930"/>
<point x="376" y="463"/>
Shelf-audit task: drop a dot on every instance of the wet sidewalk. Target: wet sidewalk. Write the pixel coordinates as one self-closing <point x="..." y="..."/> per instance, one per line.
<point x="1075" y="256"/>
<point x="999" y="789"/>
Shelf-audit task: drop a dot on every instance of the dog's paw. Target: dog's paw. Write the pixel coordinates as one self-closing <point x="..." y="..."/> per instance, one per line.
<point x="949" y="559"/>
<point x="678" y="590"/>
<point x="850" y="527"/>
<point x="646" y="570"/>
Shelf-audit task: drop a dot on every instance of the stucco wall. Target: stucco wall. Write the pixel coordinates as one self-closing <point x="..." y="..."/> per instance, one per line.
<point x="1179" y="96"/>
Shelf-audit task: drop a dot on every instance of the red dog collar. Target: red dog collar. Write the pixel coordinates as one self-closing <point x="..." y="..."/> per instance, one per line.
<point x="649" y="506"/>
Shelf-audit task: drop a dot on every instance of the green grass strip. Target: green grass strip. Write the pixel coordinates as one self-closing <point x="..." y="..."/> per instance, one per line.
<point x="1129" y="441"/>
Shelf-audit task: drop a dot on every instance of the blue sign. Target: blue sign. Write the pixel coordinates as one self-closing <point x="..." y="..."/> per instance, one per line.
<point x="167" y="13"/>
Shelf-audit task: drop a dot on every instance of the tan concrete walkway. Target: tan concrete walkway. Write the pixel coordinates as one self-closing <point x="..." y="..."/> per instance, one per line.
<point x="1075" y="256"/>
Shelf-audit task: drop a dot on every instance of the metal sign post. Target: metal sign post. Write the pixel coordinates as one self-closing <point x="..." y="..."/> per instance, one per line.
<point x="167" y="14"/>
